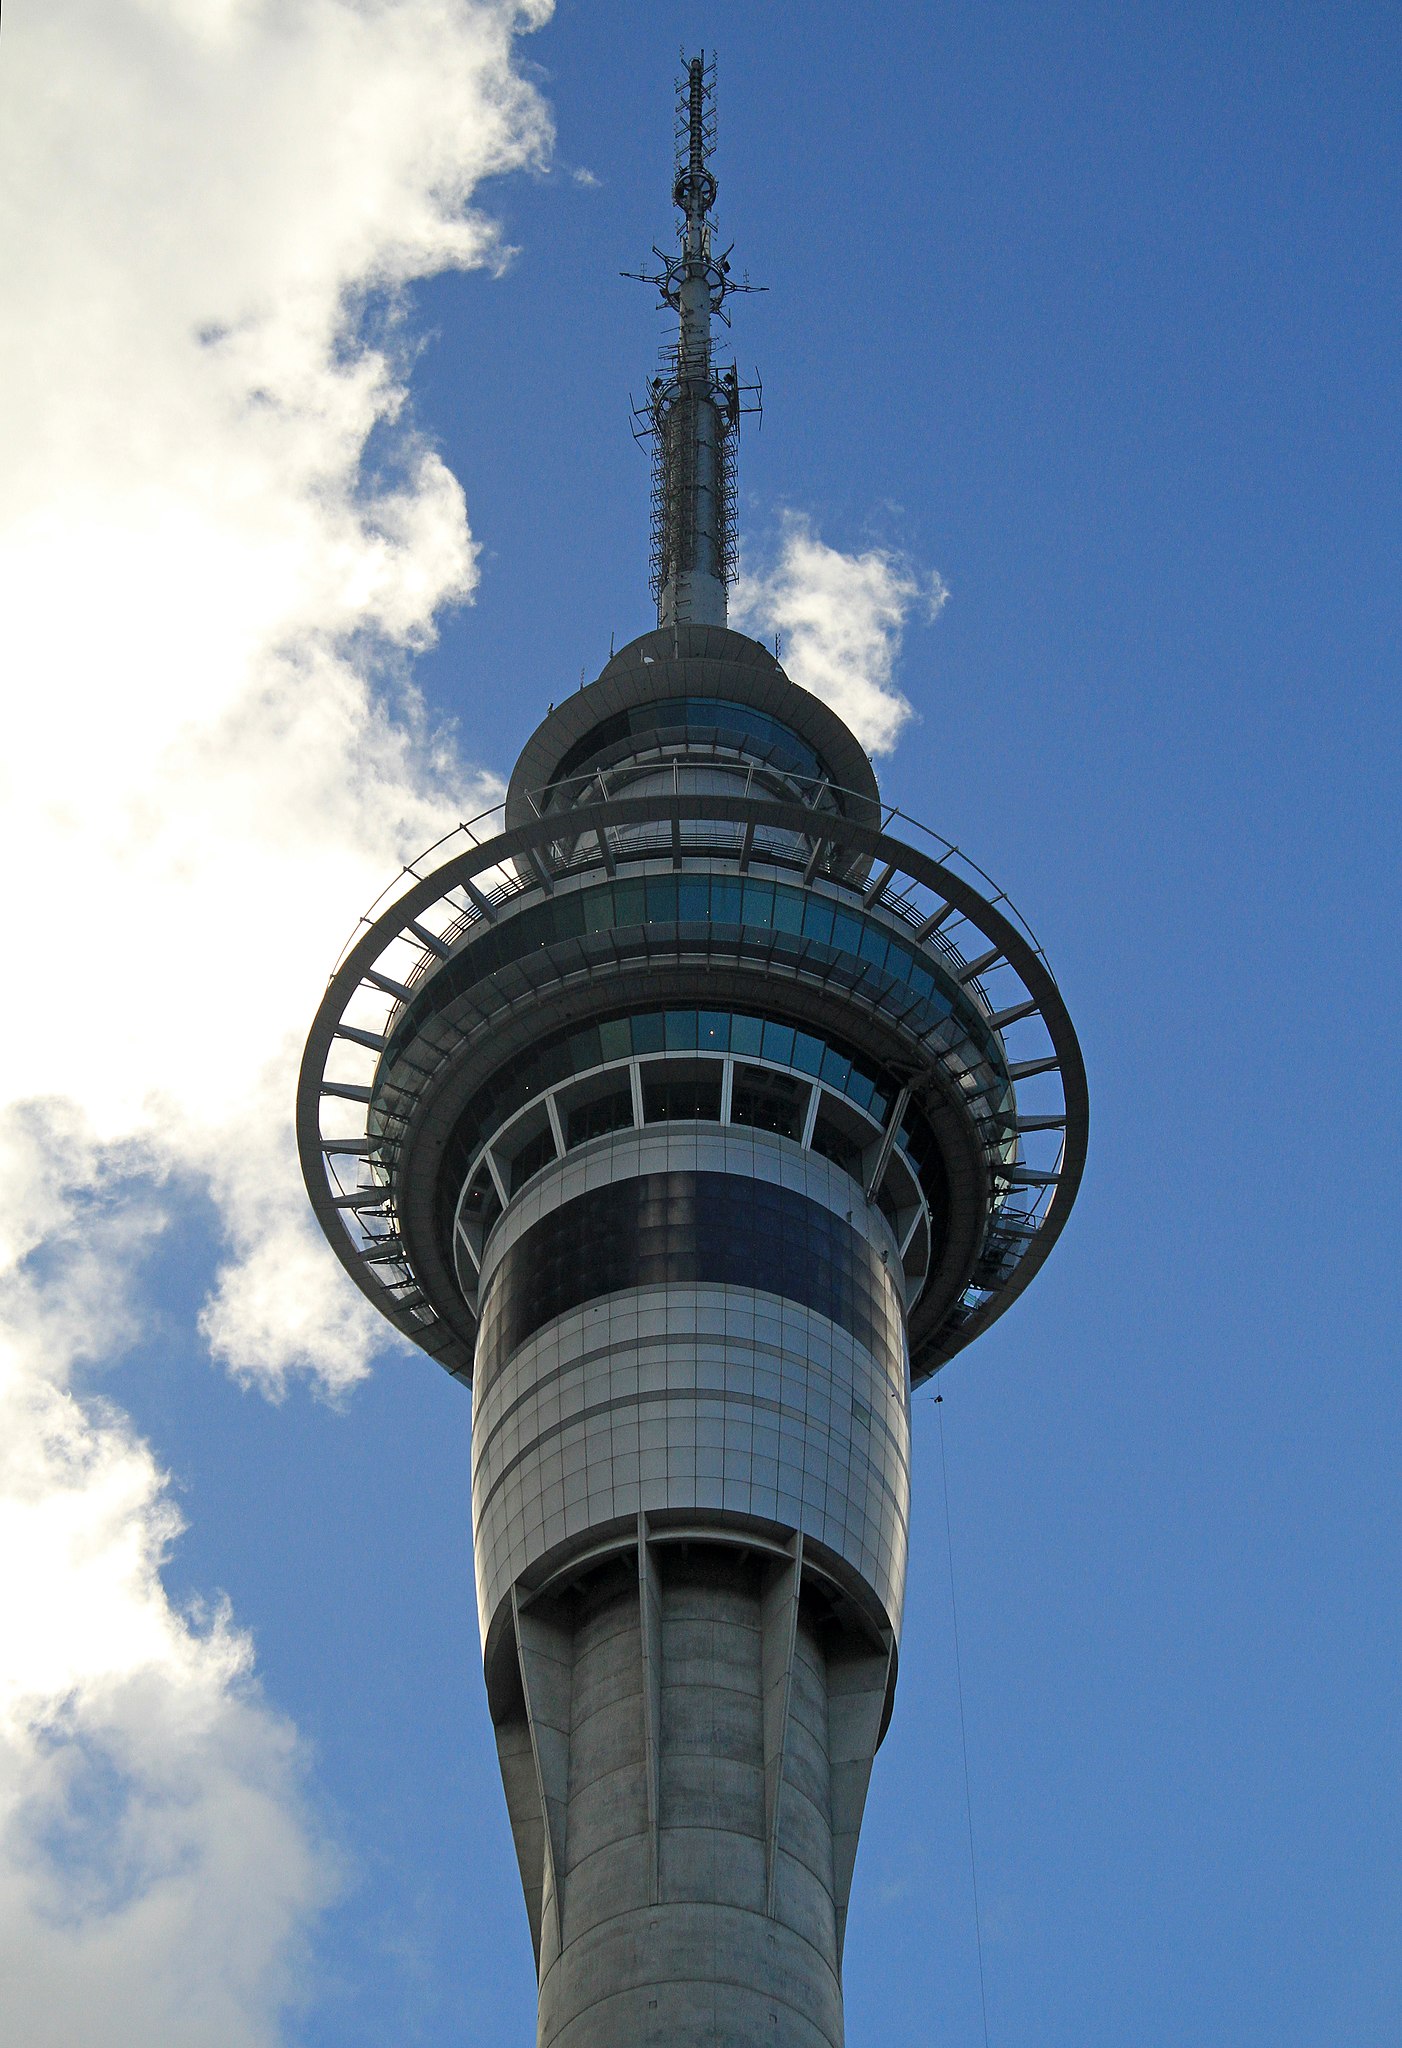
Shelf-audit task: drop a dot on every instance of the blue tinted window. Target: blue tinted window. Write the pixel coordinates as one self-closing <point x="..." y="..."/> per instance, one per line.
<point x="776" y="1043"/>
<point x="661" y="899"/>
<point x="807" y="1053"/>
<point x="726" y="900"/>
<point x="746" y="1034"/>
<point x="874" y="946"/>
<point x="759" y="903"/>
<point x="629" y="903"/>
<point x="836" y="1069"/>
<point x="817" y="920"/>
<point x="788" y="910"/>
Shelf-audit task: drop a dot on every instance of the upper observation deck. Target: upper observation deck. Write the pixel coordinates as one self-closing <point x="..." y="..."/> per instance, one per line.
<point x="694" y="697"/>
<point x="693" y="908"/>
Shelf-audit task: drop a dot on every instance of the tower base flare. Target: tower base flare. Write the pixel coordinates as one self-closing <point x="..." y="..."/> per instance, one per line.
<point x="686" y="1742"/>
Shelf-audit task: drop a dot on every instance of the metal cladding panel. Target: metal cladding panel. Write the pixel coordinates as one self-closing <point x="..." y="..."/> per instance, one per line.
<point x="692" y="1397"/>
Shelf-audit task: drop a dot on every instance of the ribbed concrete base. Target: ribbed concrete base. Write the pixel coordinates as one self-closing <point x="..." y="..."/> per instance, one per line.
<point x="686" y="1767"/>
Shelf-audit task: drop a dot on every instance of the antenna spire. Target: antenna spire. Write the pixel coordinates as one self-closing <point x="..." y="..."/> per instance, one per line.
<point x="692" y="411"/>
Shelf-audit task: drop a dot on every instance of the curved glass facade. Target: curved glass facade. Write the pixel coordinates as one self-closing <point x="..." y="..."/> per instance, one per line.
<point x="729" y="903"/>
<point x="658" y="1228"/>
<point x="694" y="721"/>
<point x="567" y="1053"/>
<point x="708" y="1032"/>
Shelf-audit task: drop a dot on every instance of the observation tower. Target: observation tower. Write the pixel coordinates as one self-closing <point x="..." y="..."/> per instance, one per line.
<point x="691" y="1111"/>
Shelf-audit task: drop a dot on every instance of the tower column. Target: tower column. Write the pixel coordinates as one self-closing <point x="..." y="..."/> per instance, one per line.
<point x="699" y="1732"/>
<point x="689" y="1119"/>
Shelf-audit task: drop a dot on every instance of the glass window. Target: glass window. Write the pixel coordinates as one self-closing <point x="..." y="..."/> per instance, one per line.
<point x="807" y="1053"/>
<point x="615" y="1039"/>
<point x="581" y="1051"/>
<point x="713" y="1031"/>
<point x="679" y="721"/>
<point x="624" y="905"/>
<point x="846" y="931"/>
<point x="769" y="1101"/>
<point x="674" y="1093"/>
<point x="535" y="1153"/>
<point x="629" y="902"/>
<point x="727" y="899"/>
<point x="875" y="946"/>
<point x="482" y="1204"/>
<point x="568" y="920"/>
<point x="648" y="1034"/>
<point x="759" y="903"/>
<point x="693" y="899"/>
<point x="610" y="1111"/>
<point x="838" y="1142"/>
<point x="836" y="1068"/>
<point x="746" y="1035"/>
<point x="788" y="910"/>
<point x="777" y="1042"/>
<point x="661" y="899"/>
<point x="817" y="920"/>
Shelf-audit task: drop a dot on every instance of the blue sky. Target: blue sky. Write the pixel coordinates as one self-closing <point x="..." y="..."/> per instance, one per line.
<point x="1093" y="312"/>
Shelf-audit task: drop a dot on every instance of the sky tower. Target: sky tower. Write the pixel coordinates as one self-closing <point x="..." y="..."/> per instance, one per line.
<point x="691" y="1114"/>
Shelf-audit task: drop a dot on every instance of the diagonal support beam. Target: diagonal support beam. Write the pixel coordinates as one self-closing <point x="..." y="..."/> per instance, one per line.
<point x="779" y="1632"/>
<point x="857" y="1689"/>
<point x="547" y="1682"/>
<point x="650" y="1616"/>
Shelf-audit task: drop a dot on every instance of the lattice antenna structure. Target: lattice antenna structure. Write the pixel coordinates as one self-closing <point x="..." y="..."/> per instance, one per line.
<point x="691" y="415"/>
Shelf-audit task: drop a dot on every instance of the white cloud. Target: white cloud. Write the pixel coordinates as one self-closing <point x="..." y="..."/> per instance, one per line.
<point x="156" y="1859"/>
<point x="842" y="618"/>
<point x="205" y="602"/>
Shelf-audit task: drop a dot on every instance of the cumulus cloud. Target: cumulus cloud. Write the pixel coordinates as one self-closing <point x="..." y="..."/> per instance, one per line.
<point x="209" y="593"/>
<point x="842" y="618"/>
<point x="157" y="1861"/>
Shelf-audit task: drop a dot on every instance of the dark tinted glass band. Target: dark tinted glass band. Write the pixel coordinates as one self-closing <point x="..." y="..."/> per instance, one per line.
<point x="580" y="1050"/>
<point x="659" y="1228"/>
<point x="687" y="717"/>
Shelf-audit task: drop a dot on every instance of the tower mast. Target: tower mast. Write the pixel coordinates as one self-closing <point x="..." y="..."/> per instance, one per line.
<point x="692" y="412"/>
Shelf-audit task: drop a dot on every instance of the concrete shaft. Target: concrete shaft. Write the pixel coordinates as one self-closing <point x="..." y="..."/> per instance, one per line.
<point x="685" y="1763"/>
<point x="690" y="1502"/>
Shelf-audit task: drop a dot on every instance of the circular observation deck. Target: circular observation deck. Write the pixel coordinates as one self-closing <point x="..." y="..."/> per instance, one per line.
<point x="696" y="912"/>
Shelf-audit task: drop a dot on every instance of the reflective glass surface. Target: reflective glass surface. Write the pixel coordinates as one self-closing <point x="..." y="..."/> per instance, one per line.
<point x="769" y="1101"/>
<point x="735" y="903"/>
<point x="680" y="720"/>
<point x="672" y="1097"/>
<point x="610" y="1110"/>
<point x="663" y="1228"/>
<point x="708" y="1031"/>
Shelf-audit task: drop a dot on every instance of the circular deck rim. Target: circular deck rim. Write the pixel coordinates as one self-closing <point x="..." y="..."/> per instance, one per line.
<point x="1009" y="943"/>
